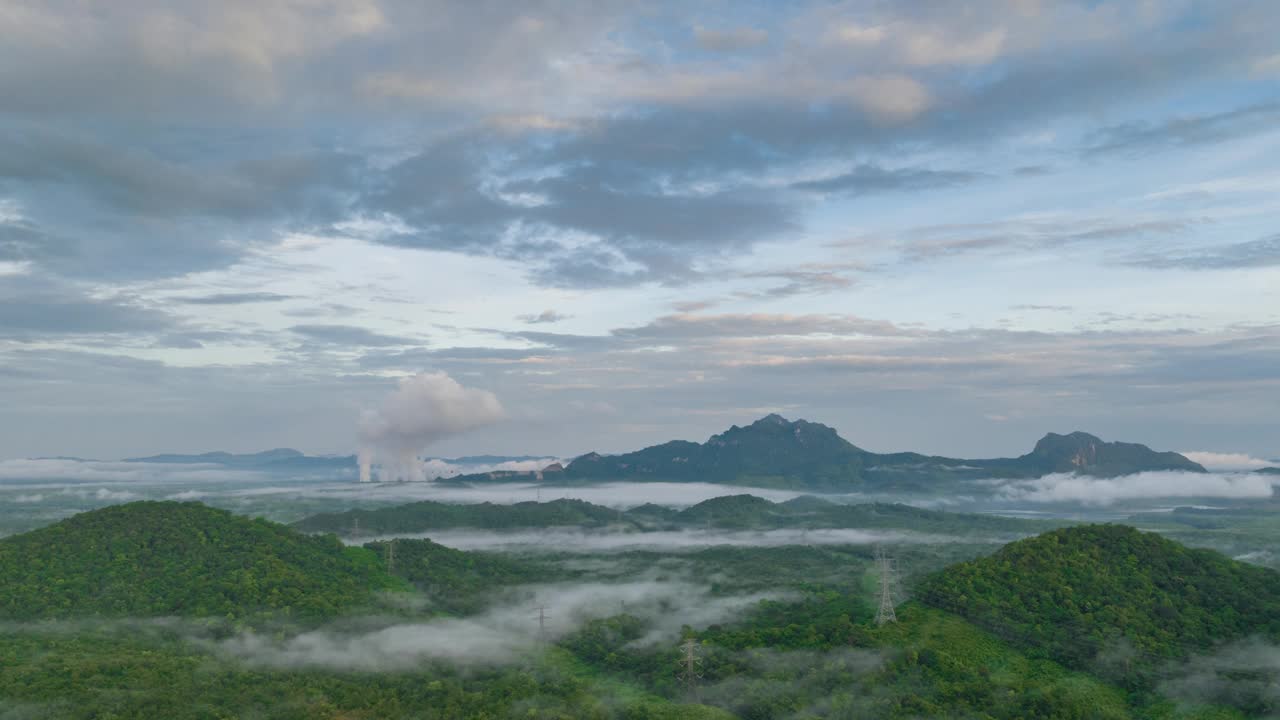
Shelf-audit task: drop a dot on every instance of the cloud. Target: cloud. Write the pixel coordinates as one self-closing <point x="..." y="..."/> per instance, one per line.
<point x="1242" y="674"/>
<point x="1226" y="461"/>
<point x="557" y="540"/>
<point x="98" y="471"/>
<point x="423" y="409"/>
<point x="1031" y="235"/>
<point x="502" y="635"/>
<point x="731" y="40"/>
<point x="1264" y="252"/>
<point x="1147" y="485"/>
<point x="546" y="316"/>
<point x="866" y="179"/>
<point x="35" y="309"/>
<point x="1184" y="131"/>
<point x="351" y="335"/>
<point x="241" y="298"/>
<point x="433" y="468"/>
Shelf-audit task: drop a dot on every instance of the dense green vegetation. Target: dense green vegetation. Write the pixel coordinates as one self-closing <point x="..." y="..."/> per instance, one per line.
<point x="454" y="580"/>
<point x="1110" y="597"/>
<point x="432" y="515"/>
<point x="1076" y="623"/>
<point x="168" y="558"/>
<point x="733" y="512"/>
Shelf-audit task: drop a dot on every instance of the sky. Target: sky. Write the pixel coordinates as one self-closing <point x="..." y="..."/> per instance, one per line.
<point x="942" y="226"/>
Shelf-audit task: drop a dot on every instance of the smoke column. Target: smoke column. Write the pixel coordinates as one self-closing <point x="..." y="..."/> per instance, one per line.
<point x="424" y="409"/>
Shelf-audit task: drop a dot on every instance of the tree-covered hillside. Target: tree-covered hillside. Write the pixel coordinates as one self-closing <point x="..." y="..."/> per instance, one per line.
<point x="456" y="580"/>
<point x="169" y="558"/>
<point x="1110" y="594"/>
<point x="432" y="515"/>
<point x="727" y="512"/>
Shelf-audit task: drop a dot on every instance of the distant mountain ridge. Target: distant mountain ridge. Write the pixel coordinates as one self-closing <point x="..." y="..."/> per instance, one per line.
<point x="290" y="459"/>
<point x="277" y="458"/>
<point x="734" y="512"/>
<point x="770" y="452"/>
<point x="776" y="452"/>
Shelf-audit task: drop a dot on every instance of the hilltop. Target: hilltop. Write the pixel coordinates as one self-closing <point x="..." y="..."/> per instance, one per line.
<point x="432" y="515"/>
<point x="170" y="558"/>
<point x="1083" y="594"/>
<point x="730" y="512"/>
<point x="776" y="452"/>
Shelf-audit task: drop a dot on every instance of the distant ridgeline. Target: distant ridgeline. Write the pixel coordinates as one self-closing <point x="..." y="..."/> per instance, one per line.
<point x="728" y="512"/>
<point x="776" y="452"/>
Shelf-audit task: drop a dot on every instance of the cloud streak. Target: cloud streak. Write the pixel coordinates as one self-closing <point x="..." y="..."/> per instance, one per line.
<point x="503" y="635"/>
<point x="1141" y="486"/>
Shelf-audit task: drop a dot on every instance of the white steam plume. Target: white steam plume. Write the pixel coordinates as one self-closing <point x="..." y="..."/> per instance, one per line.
<point x="424" y="409"/>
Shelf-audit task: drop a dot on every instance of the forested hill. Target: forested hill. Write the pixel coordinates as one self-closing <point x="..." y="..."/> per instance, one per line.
<point x="739" y="512"/>
<point x="432" y="515"/>
<point x="169" y="558"/>
<point x="1088" y="593"/>
<point x="776" y="452"/>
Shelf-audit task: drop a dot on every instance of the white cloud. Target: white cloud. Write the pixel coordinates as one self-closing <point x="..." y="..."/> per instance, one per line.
<point x="437" y="468"/>
<point x="113" y="471"/>
<point x="1063" y="487"/>
<point x="424" y="408"/>
<point x="568" y="540"/>
<point x="502" y="635"/>
<point x="1226" y="461"/>
<point x="890" y="97"/>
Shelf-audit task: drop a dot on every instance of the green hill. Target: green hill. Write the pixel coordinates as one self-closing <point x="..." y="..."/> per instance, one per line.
<point x="735" y="511"/>
<point x="169" y="558"/>
<point x="1095" y="594"/>
<point x="732" y="511"/>
<point x="432" y="515"/>
<point x="455" y="580"/>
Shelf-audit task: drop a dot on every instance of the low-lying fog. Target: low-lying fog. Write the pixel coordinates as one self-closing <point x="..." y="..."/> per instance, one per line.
<point x="596" y="541"/>
<point x="35" y="492"/>
<point x="500" y="635"/>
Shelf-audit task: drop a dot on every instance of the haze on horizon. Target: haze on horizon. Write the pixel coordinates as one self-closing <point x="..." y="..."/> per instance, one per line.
<point x="239" y="225"/>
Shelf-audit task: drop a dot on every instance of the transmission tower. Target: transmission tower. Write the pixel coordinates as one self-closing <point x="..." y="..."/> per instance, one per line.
<point x="355" y="526"/>
<point x="689" y="667"/>
<point x="391" y="555"/>
<point x="542" y="624"/>
<point x="887" y="582"/>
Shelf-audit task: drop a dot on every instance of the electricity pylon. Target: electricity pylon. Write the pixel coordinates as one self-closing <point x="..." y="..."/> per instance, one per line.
<point x="542" y="624"/>
<point x="887" y="581"/>
<point x="689" y="664"/>
<point x="391" y="555"/>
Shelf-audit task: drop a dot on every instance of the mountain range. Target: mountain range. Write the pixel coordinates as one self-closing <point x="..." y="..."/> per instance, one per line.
<point x="290" y="459"/>
<point x="772" y="452"/>
<point x="776" y="452"/>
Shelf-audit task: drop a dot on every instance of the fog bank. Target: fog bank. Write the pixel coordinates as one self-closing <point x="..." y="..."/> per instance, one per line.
<point x="499" y="636"/>
<point x="1065" y="487"/>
